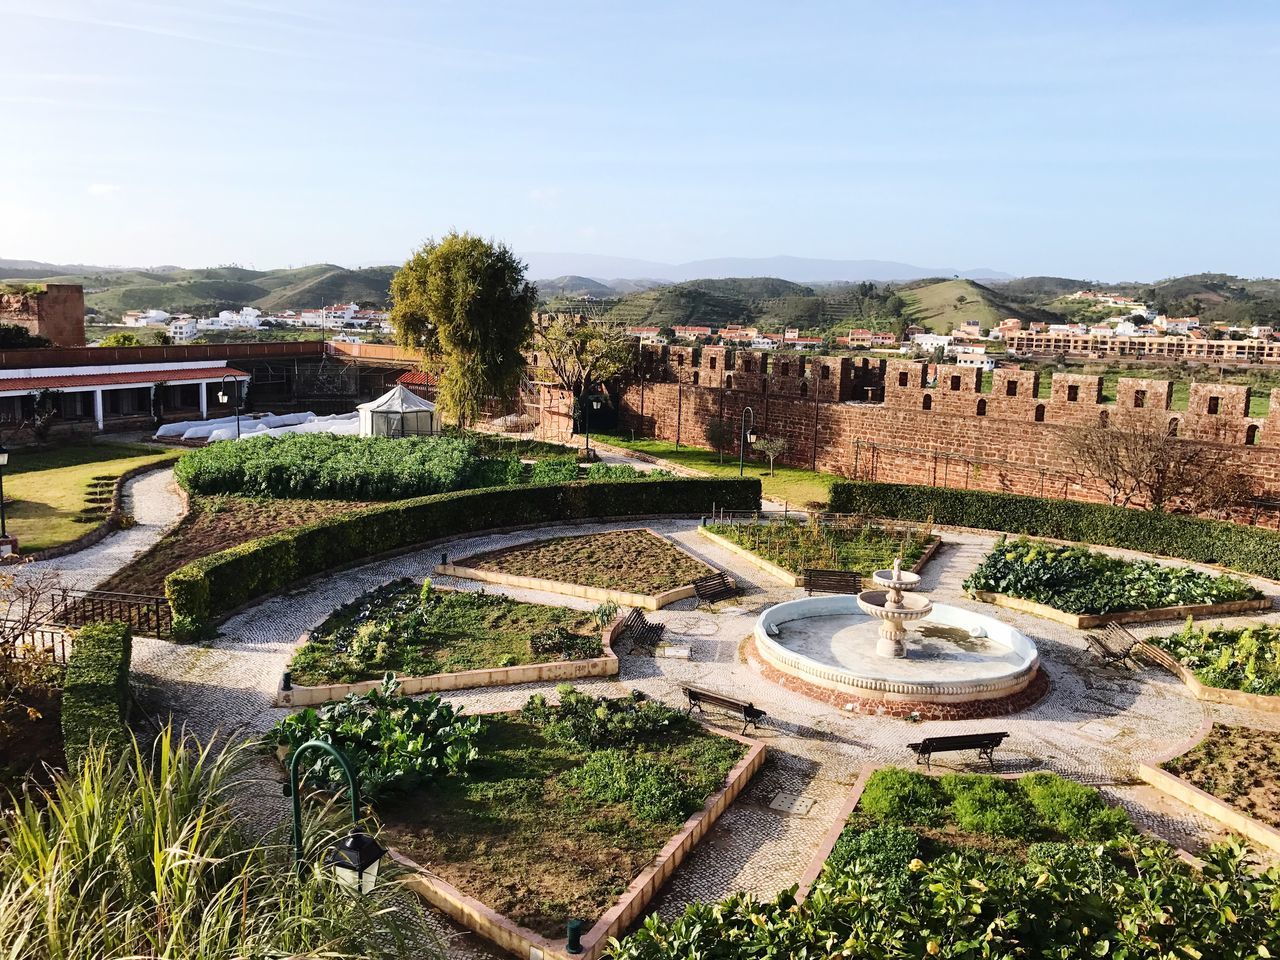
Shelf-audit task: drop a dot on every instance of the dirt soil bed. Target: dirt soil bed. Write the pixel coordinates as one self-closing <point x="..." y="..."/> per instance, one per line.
<point x="1238" y="765"/>
<point x="29" y="745"/>
<point x="517" y="838"/>
<point x="215" y="523"/>
<point x="635" y="561"/>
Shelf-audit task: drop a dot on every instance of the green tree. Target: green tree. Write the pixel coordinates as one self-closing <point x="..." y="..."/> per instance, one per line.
<point x="720" y="434"/>
<point x="581" y="353"/>
<point x="14" y="337"/>
<point x="466" y="300"/>
<point x="771" y="447"/>
<point x="120" y="339"/>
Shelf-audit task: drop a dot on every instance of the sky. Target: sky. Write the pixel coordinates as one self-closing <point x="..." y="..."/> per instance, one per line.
<point x="1108" y="141"/>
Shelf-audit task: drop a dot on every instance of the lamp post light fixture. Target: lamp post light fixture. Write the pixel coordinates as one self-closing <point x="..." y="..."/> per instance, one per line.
<point x="354" y="858"/>
<point x="746" y="434"/>
<point x="223" y="398"/>
<point x="592" y="403"/>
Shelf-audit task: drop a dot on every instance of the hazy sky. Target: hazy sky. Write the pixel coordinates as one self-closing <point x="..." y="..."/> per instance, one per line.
<point x="1106" y="141"/>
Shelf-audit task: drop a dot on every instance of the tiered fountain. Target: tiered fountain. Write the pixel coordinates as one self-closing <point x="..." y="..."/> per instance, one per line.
<point x="857" y="652"/>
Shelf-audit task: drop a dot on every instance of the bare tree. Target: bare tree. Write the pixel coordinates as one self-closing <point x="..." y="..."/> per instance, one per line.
<point x="25" y="604"/>
<point x="1137" y="459"/>
<point x="771" y="447"/>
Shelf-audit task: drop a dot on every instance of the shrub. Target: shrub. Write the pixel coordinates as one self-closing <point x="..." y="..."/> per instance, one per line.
<point x="1239" y="658"/>
<point x="212" y="586"/>
<point x="394" y="742"/>
<point x="654" y="792"/>
<point x="902" y="796"/>
<point x="1239" y="547"/>
<point x="555" y="470"/>
<point x="601" y="721"/>
<point x="1082" y="581"/>
<point x="95" y="694"/>
<point x="1072" y="809"/>
<point x="988" y="805"/>
<point x="883" y="852"/>
<point x="561" y="644"/>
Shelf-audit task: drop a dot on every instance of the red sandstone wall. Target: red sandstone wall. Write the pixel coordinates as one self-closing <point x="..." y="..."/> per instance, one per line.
<point x="56" y="313"/>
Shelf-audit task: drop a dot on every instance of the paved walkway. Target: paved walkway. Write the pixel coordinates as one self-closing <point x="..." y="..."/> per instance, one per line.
<point x="1095" y="724"/>
<point x="156" y="505"/>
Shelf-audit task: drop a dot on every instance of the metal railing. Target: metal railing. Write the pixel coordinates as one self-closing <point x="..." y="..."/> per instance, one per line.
<point x="147" y="615"/>
<point x="44" y="643"/>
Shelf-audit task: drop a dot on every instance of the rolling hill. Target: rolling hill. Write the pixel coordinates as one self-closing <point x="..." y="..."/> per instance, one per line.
<point x="944" y="305"/>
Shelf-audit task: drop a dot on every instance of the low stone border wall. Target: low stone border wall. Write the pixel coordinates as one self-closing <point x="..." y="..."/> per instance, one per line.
<point x="597" y="594"/>
<point x="1206" y="803"/>
<point x="1236" y="698"/>
<point x="110" y="524"/>
<point x="786" y="577"/>
<point x="605" y="665"/>
<point x="523" y="942"/>
<point x="1084" y="621"/>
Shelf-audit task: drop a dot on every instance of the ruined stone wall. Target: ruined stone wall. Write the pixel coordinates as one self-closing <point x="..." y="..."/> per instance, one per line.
<point x="56" y="313"/>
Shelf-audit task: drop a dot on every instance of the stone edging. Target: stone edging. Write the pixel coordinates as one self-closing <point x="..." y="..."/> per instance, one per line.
<point x="605" y="665"/>
<point x="598" y="594"/>
<point x="524" y="942"/>
<point x="1203" y="801"/>
<point x="109" y="525"/>
<point x="1261" y="702"/>
<point x="786" y="577"/>
<point x="1083" y="621"/>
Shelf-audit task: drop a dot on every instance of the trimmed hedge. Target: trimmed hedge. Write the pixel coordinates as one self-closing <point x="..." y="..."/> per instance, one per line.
<point x="95" y="694"/>
<point x="1238" y="547"/>
<point x="214" y="585"/>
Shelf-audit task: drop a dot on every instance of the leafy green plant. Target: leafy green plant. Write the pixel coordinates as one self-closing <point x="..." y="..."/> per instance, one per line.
<point x="884" y="852"/>
<point x="987" y="805"/>
<point x="1078" y="580"/>
<point x="859" y="546"/>
<point x="555" y="470"/>
<point x="600" y="721"/>
<point x="394" y="742"/>
<point x="894" y="795"/>
<point x="655" y="792"/>
<point x="95" y="694"/>
<point x="1072" y="809"/>
<point x="561" y="644"/>
<point x="605" y="613"/>
<point x="1233" y="658"/>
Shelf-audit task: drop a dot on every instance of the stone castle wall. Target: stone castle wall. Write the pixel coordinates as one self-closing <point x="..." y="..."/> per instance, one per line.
<point x="909" y="422"/>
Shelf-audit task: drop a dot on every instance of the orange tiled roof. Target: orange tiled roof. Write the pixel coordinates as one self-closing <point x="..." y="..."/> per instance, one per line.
<point x="10" y="384"/>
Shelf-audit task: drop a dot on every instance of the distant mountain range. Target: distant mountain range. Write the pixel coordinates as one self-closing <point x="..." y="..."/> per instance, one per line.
<point x="796" y="269"/>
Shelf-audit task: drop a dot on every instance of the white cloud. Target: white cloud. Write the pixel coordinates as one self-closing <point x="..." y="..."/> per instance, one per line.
<point x="545" y="196"/>
<point x="103" y="189"/>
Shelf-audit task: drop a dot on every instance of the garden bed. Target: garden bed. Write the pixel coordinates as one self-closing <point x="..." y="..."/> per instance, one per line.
<point x="1230" y="773"/>
<point x="441" y="639"/>
<point x="1084" y="589"/>
<point x="561" y="819"/>
<point x="1239" y="665"/>
<point x="786" y="549"/>
<point x="631" y="567"/>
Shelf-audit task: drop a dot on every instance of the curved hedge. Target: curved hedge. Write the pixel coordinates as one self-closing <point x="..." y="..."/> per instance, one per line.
<point x="95" y="693"/>
<point x="1239" y="547"/>
<point x="214" y="585"/>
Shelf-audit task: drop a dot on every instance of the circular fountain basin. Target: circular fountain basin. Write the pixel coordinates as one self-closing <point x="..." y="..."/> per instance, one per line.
<point x="953" y="655"/>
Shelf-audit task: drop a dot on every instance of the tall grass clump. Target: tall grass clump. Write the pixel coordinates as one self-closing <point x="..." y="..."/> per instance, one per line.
<point x="142" y="855"/>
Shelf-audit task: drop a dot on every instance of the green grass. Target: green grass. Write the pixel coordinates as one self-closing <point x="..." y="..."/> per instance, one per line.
<point x="793" y="485"/>
<point x="520" y="838"/>
<point x="935" y="306"/>
<point x="387" y="630"/>
<point x="55" y="495"/>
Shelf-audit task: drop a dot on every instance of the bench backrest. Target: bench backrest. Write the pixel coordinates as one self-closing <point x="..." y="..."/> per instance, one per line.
<point x="1117" y="637"/>
<point x="840" y="580"/>
<point x="962" y="740"/>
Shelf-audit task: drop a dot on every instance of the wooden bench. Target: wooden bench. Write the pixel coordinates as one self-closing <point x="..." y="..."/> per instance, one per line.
<point x="715" y="586"/>
<point x="641" y="632"/>
<point x="832" y="581"/>
<point x="1114" y="644"/>
<point x="984" y="743"/>
<point x="700" y="697"/>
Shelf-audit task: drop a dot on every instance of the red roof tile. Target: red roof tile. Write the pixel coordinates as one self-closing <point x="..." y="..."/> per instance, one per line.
<point x="417" y="378"/>
<point x="9" y="385"/>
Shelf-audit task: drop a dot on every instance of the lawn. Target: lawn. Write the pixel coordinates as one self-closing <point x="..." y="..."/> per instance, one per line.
<point x="635" y="561"/>
<point x="793" y="485"/>
<point x="419" y="632"/>
<point x="216" y="523"/>
<point x="55" y="495"/>
<point x="545" y="827"/>
<point x="1238" y="765"/>
<point x="857" y="546"/>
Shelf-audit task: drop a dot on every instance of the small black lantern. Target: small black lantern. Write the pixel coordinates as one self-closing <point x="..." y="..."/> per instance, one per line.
<point x="354" y="860"/>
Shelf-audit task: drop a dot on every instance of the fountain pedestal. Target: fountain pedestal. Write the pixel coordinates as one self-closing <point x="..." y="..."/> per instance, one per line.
<point x="894" y="608"/>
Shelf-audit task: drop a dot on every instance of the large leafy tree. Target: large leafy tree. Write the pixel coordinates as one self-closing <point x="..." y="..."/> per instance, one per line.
<point x="581" y="352"/>
<point x="465" y="301"/>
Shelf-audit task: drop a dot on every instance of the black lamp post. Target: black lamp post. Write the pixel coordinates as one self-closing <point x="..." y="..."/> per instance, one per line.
<point x="222" y="398"/>
<point x="354" y="858"/>
<point x="589" y="403"/>
<point x="4" y="462"/>
<point x="746" y="434"/>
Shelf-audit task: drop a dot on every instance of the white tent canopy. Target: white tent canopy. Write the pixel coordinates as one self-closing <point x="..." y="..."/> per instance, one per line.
<point x="397" y="413"/>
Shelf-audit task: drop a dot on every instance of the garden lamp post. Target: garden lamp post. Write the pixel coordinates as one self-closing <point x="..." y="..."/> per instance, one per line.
<point x="746" y="434"/>
<point x="355" y="857"/>
<point x="591" y="403"/>
<point x="222" y="398"/>
<point x="6" y="545"/>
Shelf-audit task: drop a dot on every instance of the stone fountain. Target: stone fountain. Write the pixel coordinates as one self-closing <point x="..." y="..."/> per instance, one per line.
<point x="894" y="608"/>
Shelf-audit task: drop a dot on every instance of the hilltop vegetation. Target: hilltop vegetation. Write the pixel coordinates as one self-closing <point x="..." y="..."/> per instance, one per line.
<point x="944" y="305"/>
